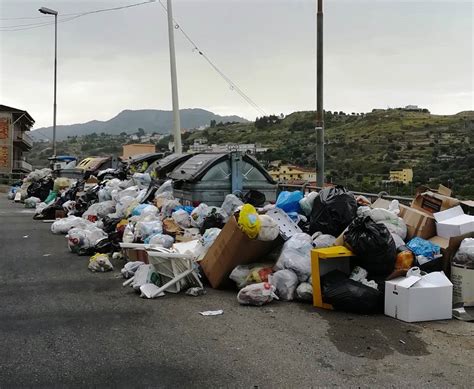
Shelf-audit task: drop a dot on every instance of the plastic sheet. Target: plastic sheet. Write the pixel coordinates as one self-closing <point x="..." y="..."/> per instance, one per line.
<point x="423" y="247"/>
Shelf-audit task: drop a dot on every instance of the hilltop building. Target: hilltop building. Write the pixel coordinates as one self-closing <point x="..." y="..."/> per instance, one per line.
<point x="287" y="173"/>
<point x="404" y="176"/>
<point x="134" y="149"/>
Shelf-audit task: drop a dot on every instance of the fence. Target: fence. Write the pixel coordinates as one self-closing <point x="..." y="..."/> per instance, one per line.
<point x="306" y="188"/>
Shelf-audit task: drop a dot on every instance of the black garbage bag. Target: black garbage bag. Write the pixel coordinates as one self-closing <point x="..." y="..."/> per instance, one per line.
<point x="373" y="245"/>
<point x="110" y="224"/>
<point x="214" y="219"/>
<point x="40" y="188"/>
<point x="333" y="210"/>
<point x="255" y="198"/>
<point x="348" y="295"/>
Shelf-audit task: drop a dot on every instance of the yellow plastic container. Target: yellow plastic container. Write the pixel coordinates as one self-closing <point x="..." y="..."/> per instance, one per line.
<point x="322" y="262"/>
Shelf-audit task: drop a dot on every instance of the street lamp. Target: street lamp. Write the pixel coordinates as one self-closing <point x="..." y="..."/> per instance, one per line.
<point x="48" y="11"/>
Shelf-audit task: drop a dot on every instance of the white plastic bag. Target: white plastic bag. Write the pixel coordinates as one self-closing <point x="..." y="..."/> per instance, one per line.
<point x="128" y="233"/>
<point x="99" y="210"/>
<point x="145" y="274"/>
<point x="69" y="207"/>
<point x="142" y="180"/>
<point x="144" y="229"/>
<point x="104" y="194"/>
<point x="162" y="240"/>
<point x="62" y="226"/>
<point x="199" y="214"/>
<point x="130" y="268"/>
<point x="82" y="240"/>
<point x="165" y="190"/>
<point x="168" y="207"/>
<point x="306" y="203"/>
<point x="257" y="294"/>
<point x="304" y="292"/>
<point x="32" y="202"/>
<point x="206" y="241"/>
<point x="296" y="255"/>
<point x="100" y="263"/>
<point x="285" y="281"/>
<point x="231" y="204"/>
<point x="269" y="229"/>
<point x="321" y="240"/>
<point x="465" y="255"/>
<point x="182" y="218"/>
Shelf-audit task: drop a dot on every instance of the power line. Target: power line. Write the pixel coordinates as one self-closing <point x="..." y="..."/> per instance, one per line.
<point x="232" y="84"/>
<point x="66" y="17"/>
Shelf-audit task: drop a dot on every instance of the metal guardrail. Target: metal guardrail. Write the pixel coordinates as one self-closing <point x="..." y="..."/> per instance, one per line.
<point x="306" y="188"/>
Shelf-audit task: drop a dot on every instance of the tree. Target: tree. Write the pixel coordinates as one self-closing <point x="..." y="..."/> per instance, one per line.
<point x="212" y="124"/>
<point x="141" y="132"/>
<point x="123" y="133"/>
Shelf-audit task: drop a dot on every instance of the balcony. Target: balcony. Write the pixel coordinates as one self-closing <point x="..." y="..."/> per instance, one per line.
<point x="22" y="166"/>
<point x="23" y="140"/>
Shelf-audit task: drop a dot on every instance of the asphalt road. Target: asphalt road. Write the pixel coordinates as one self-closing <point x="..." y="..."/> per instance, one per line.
<point x="64" y="326"/>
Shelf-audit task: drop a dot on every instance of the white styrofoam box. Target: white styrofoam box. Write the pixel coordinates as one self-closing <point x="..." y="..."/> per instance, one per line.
<point x="453" y="222"/>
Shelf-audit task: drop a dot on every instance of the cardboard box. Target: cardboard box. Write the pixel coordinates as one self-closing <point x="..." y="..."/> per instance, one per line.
<point x="449" y="247"/>
<point x="419" y="298"/>
<point x="232" y="248"/>
<point x="419" y="223"/>
<point x="442" y="190"/>
<point x="431" y="202"/>
<point x="463" y="285"/>
<point x="453" y="222"/>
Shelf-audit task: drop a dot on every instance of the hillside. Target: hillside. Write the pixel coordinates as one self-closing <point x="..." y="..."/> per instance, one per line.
<point x="360" y="149"/>
<point x="129" y="121"/>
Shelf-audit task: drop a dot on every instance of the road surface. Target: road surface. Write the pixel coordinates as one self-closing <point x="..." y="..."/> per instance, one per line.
<point x="63" y="326"/>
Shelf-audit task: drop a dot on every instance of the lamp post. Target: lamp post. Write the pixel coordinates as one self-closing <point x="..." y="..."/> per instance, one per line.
<point x="178" y="148"/>
<point x="48" y="11"/>
<point x="319" y="98"/>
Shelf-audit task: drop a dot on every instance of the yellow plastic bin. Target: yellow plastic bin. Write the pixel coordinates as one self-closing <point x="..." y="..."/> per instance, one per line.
<point x="323" y="261"/>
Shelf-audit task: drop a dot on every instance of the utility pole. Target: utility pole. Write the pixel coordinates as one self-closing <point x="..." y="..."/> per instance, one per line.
<point x="319" y="98"/>
<point x="178" y="148"/>
<point x="48" y="11"/>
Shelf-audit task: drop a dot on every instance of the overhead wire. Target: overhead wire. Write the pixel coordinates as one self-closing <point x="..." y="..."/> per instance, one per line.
<point x="232" y="84"/>
<point x="67" y="17"/>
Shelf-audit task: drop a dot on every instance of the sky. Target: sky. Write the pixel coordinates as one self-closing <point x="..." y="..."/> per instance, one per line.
<point x="378" y="54"/>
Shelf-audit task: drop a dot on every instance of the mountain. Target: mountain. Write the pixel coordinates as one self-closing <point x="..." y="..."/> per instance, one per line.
<point x="151" y="120"/>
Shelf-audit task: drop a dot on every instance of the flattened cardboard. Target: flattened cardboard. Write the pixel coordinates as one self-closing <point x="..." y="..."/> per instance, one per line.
<point x="230" y="249"/>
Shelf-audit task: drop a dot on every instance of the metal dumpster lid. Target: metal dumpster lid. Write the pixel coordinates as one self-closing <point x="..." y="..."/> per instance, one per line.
<point x="171" y="159"/>
<point x="197" y="166"/>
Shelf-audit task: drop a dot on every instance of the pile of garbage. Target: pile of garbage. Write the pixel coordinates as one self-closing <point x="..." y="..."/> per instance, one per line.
<point x="264" y="250"/>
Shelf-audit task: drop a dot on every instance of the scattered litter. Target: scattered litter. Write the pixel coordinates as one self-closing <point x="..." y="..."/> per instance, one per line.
<point x="25" y="236"/>
<point x="46" y="255"/>
<point x="212" y="313"/>
<point x="196" y="291"/>
<point x="402" y="341"/>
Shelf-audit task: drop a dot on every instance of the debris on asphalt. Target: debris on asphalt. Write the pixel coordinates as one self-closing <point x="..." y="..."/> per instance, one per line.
<point x="329" y="247"/>
<point x="212" y="313"/>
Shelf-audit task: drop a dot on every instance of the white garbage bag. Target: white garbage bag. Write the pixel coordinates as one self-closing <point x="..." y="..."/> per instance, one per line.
<point x="142" y="180"/>
<point x="162" y="240"/>
<point x="32" y="202"/>
<point x="100" y="263"/>
<point x="62" y="226"/>
<point x="129" y="269"/>
<point x="321" y="240"/>
<point x="306" y="203"/>
<point x="144" y="229"/>
<point x="231" y="204"/>
<point x="285" y="281"/>
<point x="269" y="229"/>
<point x="304" y="292"/>
<point x="81" y="240"/>
<point x="296" y="255"/>
<point x="145" y="274"/>
<point x="99" y="210"/>
<point x="182" y="218"/>
<point x="257" y="294"/>
<point x="199" y="214"/>
<point x="168" y="207"/>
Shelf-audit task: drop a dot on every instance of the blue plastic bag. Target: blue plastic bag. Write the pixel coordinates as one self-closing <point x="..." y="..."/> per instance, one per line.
<point x="186" y="208"/>
<point x="423" y="247"/>
<point x="289" y="201"/>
